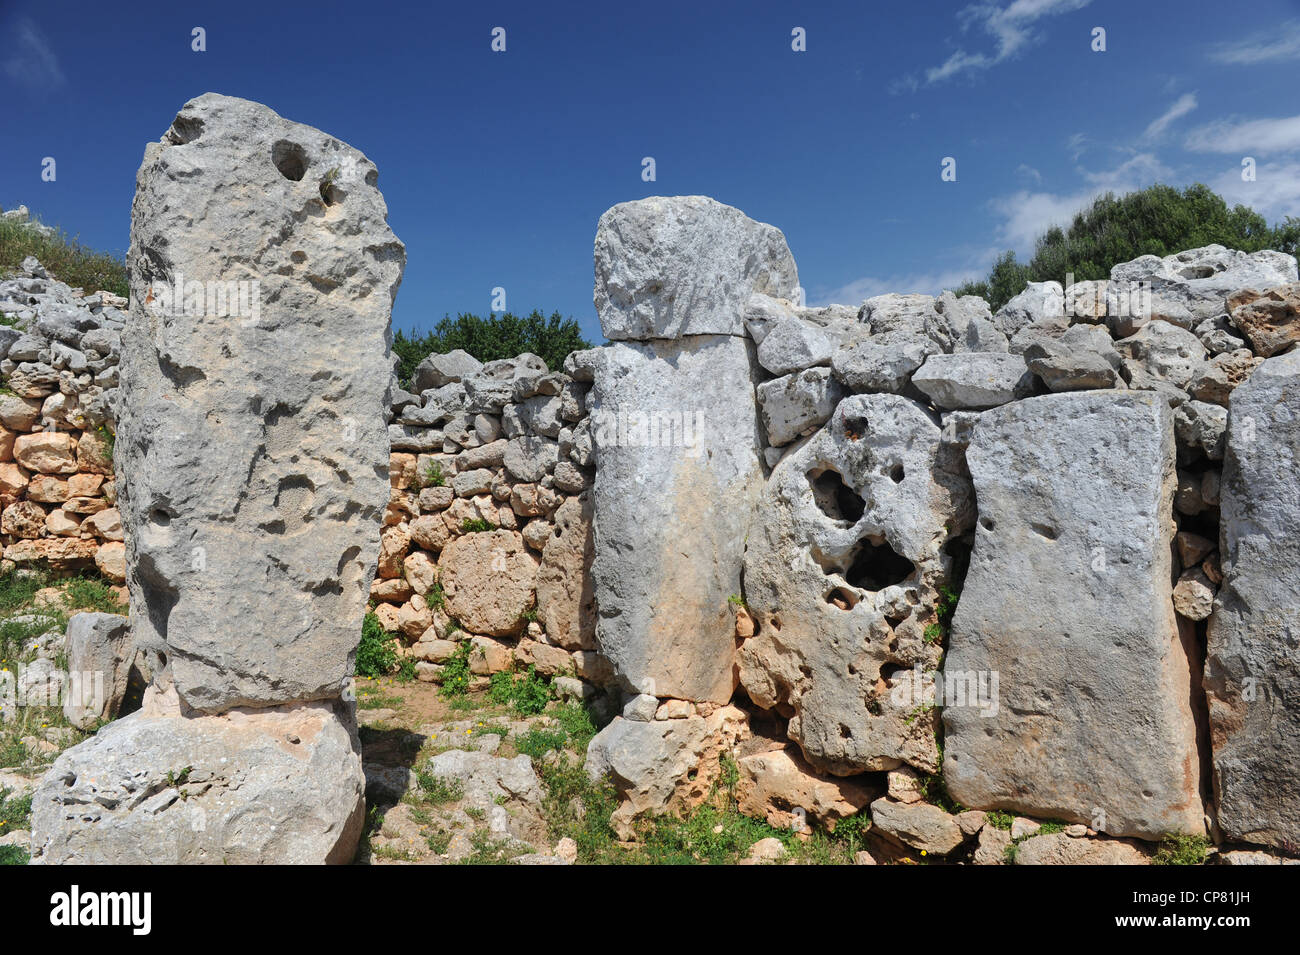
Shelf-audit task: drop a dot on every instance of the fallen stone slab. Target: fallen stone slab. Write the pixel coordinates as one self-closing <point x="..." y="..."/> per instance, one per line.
<point x="270" y="786"/>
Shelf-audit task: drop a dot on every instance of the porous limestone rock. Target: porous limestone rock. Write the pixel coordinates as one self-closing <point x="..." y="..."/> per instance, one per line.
<point x="684" y="265"/>
<point x="1039" y="302"/>
<point x="100" y="652"/>
<point x="251" y="497"/>
<point x="489" y="581"/>
<point x="1252" y="667"/>
<point x="566" y="598"/>
<point x="1068" y="603"/>
<point x="675" y="428"/>
<point x="1190" y="286"/>
<point x="777" y="784"/>
<point x="973" y="379"/>
<point x="841" y="570"/>
<point x="659" y="765"/>
<point x="1057" y="848"/>
<point x="1271" y="321"/>
<point x="268" y="786"/>
<point x="793" y="345"/>
<point x="794" y="404"/>
<point x="920" y="826"/>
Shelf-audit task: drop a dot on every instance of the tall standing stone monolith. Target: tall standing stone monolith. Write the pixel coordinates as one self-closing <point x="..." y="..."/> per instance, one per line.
<point x="252" y="458"/>
<point x="675" y="426"/>
<point x="1252" y="667"/>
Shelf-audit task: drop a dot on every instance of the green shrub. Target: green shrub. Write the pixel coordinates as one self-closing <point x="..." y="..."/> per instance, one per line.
<point x="488" y="339"/>
<point x="438" y="790"/>
<point x="15" y="812"/>
<point x="376" y="656"/>
<point x="1000" y="820"/>
<point x="536" y="743"/>
<point x="456" y="672"/>
<point x="83" y="592"/>
<point x="1158" y="220"/>
<point x="526" y="692"/>
<point x="476" y="525"/>
<point x="433" y="476"/>
<point x="14" y="855"/>
<point x="66" y="259"/>
<point x="1181" y="850"/>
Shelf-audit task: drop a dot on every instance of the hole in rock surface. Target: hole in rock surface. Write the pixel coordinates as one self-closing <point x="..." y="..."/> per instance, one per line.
<point x="834" y="498"/>
<point x="290" y="159"/>
<point x="185" y="129"/>
<point x="877" y="566"/>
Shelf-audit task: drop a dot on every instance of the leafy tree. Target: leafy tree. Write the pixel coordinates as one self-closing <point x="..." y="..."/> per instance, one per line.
<point x="1158" y="220"/>
<point x="498" y="336"/>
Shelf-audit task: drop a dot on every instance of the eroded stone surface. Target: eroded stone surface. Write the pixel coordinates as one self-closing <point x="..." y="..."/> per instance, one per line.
<point x="1252" y="668"/>
<point x="1068" y="602"/>
<point x="676" y="432"/>
<point x="848" y="538"/>
<point x="252" y="497"/>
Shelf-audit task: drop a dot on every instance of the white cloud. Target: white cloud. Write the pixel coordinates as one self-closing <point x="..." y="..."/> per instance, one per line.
<point x="1278" y="43"/>
<point x="1026" y="214"/>
<point x="28" y="59"/>
<point x="1029" y="173"/>
<point x="927" y="283"/>
<point x="1010" y="27"/>
<point x="1275" y="193"/>
<point x="1181" y="107"/>
<point x="1246" y="136"/>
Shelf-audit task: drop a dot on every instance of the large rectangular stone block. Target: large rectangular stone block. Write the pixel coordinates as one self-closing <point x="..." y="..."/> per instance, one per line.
<point x="1068" y="603"/>
<point x="675" y="428"/>
<point x="1252" y="667"/>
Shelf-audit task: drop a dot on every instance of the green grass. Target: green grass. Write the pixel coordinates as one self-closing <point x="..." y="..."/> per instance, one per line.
<point x="376" y="656"/>
<point x="1000" y="820"/>
<point x="526" y="693"/>
<point x="436" y="598"/>
<point x="476" y="525"/>
<point x="575" y="719"/>
<point x="1181" y="850"/>
<point x="438" y="790"/>
<point x="15" y="813"/>
<point x="91" y="593"/>
<point x="536" y="743"/>
<point x="432" y="476"/>
<point x="66" y="259"/>
<point x="13" y="855"/>
<point x="17" y="591"/>
<point x="456" y="673"/>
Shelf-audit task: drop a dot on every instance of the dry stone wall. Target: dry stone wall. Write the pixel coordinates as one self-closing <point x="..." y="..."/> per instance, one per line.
<point x="487" y="534"/>
<point x="59" y="374"/>
<point x="1081" y="474"/>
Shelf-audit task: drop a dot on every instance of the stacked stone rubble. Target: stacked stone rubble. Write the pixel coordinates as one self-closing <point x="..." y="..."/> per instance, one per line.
<point x="487" y="534"/>
<point x="59" y="368"/>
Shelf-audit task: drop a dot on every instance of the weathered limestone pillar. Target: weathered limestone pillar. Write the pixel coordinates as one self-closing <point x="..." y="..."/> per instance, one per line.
<point x="675" y="425"/>
<point x="1067" y="617"/>
<point x="1252" y="668"/>
<point x="252" y="462"/>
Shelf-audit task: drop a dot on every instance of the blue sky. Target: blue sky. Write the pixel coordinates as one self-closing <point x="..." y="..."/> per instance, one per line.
<point x="496" y="166"/>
